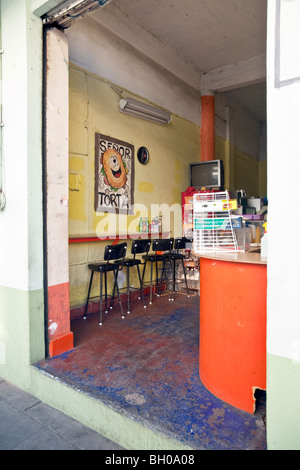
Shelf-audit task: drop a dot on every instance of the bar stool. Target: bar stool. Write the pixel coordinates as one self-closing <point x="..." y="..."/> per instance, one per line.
<point x="111" y="253"/>
<point x="161" y="248"/>
<point x="174" y="256"/>
<point x="138" y="247"/>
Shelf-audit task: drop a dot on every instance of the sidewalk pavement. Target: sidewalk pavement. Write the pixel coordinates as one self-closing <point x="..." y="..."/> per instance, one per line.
<point x="26" y="423"/>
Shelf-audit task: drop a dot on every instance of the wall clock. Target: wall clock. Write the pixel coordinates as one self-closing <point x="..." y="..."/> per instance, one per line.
<point x="143" y="155"/>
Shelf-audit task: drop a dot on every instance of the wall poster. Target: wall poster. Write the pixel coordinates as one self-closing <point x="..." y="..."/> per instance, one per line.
<point x="114" y="175"/>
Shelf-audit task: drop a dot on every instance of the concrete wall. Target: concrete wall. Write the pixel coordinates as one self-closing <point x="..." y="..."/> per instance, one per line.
<point x="21" y="221"/>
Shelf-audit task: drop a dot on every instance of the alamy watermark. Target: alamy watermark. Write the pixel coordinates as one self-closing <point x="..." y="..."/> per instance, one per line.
<point x="114" y="224"/>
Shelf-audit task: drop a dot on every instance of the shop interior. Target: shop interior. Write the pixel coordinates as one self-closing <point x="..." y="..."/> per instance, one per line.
<point x="140" y="357"/>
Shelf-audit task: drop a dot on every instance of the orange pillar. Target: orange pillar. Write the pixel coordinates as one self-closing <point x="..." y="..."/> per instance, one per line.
<point x="207" y="128"/>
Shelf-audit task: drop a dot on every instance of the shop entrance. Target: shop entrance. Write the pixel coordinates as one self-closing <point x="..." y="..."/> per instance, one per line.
<point x="152" y="339"/>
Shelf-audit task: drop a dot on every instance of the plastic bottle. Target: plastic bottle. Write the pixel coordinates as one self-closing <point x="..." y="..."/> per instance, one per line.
<point x="160" y="224"/>
<point x="140" y="224"/>
<point x="264" y="244"/>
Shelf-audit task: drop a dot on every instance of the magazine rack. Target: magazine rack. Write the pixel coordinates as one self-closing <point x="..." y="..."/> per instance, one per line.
<point x="212" y="220"/>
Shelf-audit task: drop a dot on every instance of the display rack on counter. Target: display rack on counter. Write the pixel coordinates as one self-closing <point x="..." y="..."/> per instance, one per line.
<point x="213" y="223"/>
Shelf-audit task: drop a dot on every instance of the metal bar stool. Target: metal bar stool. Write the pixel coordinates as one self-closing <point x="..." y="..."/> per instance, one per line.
<point x="138" y="247"/>
<point x="161" y="248"/>
<point x="174" y="256"/>
<point x="111" y="253"/>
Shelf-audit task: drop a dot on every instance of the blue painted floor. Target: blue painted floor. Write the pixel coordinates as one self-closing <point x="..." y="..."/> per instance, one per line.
<point x="146" y="366"/>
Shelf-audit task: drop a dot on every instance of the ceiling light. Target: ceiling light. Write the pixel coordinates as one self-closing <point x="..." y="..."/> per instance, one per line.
<point x="144" y="111"/>
<point x="70" y="11"/>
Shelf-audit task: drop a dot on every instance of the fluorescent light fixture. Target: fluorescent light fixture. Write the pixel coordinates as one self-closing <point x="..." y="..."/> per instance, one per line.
<point x="69" y="11"/>
<point x="144" y="111"/>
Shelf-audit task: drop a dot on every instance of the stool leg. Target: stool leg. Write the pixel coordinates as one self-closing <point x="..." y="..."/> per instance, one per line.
<point x="144" y="269"/>
<point x="173" y="267"/>
<point x="100" y="318"/>
<point x="112" y="297"/>
<point x="105" y="280"/>
<point x="186" y="284"/>
<point x="156" y="278"/>
<point x="88" y="296"/>
<point x="168" y="261"/>
<point x="163" y="276"/>
<point x="117" y="285"/>
<point x="151" y="273"/>
<point x="141" y="284"/>
<point x="128" y="301"/>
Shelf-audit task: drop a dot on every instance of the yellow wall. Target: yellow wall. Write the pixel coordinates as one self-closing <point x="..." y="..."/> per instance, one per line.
<point x="246" y="172"/>
<point x="94" y="108"/>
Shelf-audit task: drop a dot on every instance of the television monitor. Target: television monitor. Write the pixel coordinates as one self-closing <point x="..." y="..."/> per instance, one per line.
<point x="208" y="175"/>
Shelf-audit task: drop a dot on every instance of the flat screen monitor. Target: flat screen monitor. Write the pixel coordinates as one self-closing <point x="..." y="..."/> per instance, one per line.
<point x="208" y="175"/>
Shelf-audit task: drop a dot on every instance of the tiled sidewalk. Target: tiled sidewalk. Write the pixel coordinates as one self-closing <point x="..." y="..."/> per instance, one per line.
<point x="28" y="424"/>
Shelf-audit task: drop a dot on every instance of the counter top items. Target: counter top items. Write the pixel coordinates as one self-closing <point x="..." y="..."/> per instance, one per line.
<point x="253" y="216"/>
<point x="244" y="237"/>
<point x="154" y="227"/>
<point x="264" y="243"/>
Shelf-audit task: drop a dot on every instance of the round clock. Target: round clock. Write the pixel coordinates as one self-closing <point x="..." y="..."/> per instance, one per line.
<point x="143" y="155"/>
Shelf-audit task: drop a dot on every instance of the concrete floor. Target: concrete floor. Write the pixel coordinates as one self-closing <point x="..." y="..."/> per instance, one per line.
<point x="146" y="367"/>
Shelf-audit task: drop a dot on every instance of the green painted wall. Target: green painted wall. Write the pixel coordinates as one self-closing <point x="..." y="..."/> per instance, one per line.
<point x="283" y="382"/>
<point x="21" y="333"/>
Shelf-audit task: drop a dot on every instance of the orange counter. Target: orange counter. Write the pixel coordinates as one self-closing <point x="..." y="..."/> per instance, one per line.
<point x="233" y="291"/>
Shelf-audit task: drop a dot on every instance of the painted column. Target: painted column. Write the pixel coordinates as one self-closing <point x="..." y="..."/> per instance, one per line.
<point x="57" y="167"/>
<point x="207" y="127"/>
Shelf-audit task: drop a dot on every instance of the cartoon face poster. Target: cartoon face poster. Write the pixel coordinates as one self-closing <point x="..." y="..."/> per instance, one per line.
<point x="114" y="175"/>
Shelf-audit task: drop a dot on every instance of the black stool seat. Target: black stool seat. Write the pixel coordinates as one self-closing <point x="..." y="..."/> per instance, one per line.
<point x="130" y="262"/>
<point x="111" y="253"/>
<point x="102" y="266"/>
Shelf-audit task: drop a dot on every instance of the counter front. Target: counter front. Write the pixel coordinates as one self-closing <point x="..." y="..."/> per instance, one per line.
<point x="233" y="290"/>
